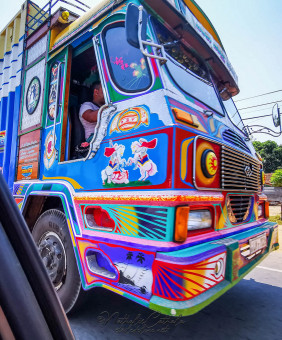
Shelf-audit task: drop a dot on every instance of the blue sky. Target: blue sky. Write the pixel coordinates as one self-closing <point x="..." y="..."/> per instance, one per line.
<point x="251" y="33"/>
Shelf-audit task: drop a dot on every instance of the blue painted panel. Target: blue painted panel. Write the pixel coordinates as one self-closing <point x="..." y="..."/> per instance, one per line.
<point x="13" y="157"/>
<point x="130" y="162"/>
<point x="9" y="130"/>
<point x="3" y="115"/>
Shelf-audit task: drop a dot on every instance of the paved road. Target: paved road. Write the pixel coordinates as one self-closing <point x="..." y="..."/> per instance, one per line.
<point x="250" y="310"/>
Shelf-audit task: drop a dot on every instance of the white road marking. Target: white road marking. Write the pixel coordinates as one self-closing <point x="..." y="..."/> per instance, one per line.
<point x="272" y="269"/>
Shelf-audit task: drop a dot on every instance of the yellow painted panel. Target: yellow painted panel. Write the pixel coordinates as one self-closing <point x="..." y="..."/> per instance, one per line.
<point x="184" y="158"/>
<point x="68" y="179"/>
<point x="12" y="33"/>
<point x="202" y="19"/>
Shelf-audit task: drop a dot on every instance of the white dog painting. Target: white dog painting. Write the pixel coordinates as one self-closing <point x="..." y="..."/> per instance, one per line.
<point x="141" y="158"/>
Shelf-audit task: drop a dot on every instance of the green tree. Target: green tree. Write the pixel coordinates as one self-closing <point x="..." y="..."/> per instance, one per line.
<point x="276" y="178"/>
<point x="271" y="154"/>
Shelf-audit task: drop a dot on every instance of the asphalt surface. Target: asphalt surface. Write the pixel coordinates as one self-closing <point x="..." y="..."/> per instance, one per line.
<point x="250" y="310"/>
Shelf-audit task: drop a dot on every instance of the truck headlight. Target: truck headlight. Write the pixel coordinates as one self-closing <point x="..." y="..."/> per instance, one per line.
<point x="187" y="219"/>
<point x="199" y="219"/>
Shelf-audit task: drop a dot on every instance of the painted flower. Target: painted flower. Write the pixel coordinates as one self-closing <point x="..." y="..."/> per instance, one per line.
<point x="143" y="66"/>
<point x="139" y="70"/>
<point x="136" y="73"/>
<point x="120" y="62"/>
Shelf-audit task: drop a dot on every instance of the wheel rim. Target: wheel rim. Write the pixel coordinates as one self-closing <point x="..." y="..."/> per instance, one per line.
<point x="53" y="255"/>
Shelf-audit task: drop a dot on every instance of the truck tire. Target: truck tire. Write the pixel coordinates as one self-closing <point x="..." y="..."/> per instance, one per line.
<point x="53" y="240"/>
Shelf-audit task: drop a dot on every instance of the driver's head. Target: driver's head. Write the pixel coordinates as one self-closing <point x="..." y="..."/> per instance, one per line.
<point x="98" y="96"/>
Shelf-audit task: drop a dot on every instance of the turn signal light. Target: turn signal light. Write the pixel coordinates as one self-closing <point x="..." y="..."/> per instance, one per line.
<point x="181" y="221"/>
<point x="266" y="209"/>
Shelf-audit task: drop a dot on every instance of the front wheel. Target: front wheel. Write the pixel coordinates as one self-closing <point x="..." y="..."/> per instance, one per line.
<point x="53" y="240"/>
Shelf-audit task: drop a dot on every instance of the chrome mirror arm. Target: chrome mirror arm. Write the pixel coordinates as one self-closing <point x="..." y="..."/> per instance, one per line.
<point x="142" y="42"/>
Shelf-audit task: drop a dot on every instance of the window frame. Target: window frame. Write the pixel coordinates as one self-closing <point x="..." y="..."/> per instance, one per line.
<point x="243" y="130"/>
<point x="110" y="69"/>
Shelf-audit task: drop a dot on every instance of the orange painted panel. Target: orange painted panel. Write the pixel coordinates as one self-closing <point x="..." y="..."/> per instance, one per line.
<point x="27" y="171"/>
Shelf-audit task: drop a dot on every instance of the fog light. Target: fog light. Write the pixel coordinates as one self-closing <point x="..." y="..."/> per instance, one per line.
<point x="199" y="219"/>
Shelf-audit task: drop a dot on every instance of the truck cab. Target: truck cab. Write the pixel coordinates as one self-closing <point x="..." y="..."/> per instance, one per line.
<point x="163" y="204"/>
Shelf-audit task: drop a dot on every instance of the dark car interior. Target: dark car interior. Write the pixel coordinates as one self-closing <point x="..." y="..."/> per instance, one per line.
<point x="29" y="306"/>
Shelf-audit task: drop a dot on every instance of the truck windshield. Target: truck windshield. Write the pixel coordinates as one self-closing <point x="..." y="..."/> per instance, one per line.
<point x="233" y="113"/>
<point x="186" y="69"/>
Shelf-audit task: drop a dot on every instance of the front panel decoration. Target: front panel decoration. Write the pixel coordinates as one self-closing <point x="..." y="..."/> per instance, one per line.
<point x="127" y="269"/>
<point x="32" y="105"/>
<point x="28" y="155"/>
<point x="181" y="282"/>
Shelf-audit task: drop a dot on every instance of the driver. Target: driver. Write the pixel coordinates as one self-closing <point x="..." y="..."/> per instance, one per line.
<point x="89" y="110"/>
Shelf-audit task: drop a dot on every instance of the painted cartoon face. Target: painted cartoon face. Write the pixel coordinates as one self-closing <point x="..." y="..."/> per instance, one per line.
<point x="135" y="146"/>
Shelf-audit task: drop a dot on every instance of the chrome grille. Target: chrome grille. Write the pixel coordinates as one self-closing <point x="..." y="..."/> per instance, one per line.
<point x="238" y="208"/>
<point x="232" y="137"/>
<point x="239" y="171"/>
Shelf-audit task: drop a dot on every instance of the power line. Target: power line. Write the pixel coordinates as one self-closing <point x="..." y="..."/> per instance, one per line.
<point x="256" y="117"/>
<point x="249" y="107"/>
<point x="266" y="108"/>
<point x="259" y="95"/>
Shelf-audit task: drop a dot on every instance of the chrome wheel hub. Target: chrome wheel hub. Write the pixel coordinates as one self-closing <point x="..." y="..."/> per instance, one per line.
<point x="53" y="255"/>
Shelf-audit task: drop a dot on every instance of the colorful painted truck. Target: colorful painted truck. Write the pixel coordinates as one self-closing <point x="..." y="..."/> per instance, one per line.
<point x="165" y="206"/>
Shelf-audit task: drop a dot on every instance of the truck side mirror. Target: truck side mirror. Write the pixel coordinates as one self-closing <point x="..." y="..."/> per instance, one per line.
<point x="131" y="24"/>
<point x="276" y="116"/>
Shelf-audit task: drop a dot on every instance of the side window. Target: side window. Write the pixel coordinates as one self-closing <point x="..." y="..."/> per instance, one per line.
<point x="127" y="65"/>
<point x="83" y="73"/>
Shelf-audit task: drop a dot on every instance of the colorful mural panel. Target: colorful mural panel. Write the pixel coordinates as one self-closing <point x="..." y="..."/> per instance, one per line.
<point x="115" y="173"/>
<point x="33" y="95"/>
<point x="128" y="269"/>
<point x="32" y="108"/>
<point x="50" y="152"/>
